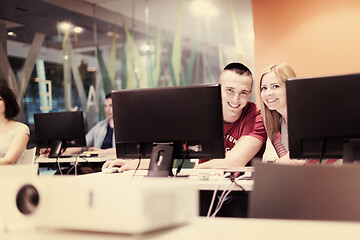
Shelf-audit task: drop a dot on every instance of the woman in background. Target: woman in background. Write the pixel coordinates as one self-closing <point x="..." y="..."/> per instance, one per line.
<point x="13" y="135"/>
<point x="272" y="90"/>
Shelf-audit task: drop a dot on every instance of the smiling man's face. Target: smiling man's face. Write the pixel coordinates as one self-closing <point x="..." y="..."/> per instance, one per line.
<point x="235" y="93"/>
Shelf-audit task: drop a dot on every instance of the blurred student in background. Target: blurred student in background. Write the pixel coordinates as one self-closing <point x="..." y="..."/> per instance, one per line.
<point x="14" y="136"/>
<point x="101" y="137"/>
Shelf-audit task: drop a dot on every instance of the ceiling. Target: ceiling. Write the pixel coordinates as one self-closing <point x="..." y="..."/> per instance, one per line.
<point x="30" y="16"/>
<point x="162" y="13"/>
<point x="26" y="17"/>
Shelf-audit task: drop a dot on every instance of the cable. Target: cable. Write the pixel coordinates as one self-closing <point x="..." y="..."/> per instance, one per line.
<point x="213" y="200"/>
<point x="75" y="165"/>
<point x="137" y="167"/>
<point x="222" y="199"/>
<point x="88" y="163"/>
<point x="70" y="169"/>
<point x="232" y="179"/>
<point x="58" y="164"/>
<point x="224" y="195"/>
<point x="183" y="159"/>
<point x="36" y="157"/>
<point x="62" y="150"/>
<point x="221" y="202"/>
<point x="139" y="147"/>
<point x="323" y="145"/>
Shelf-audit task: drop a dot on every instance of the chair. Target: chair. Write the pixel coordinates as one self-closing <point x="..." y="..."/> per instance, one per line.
<point x="318" y="192"/>
<point x="27" y="164"/>
<point x="25" y="168"/>
<point x="29" y="157"/>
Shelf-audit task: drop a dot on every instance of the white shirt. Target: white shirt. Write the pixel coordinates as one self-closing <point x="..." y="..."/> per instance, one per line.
<point x="7" y="138"/>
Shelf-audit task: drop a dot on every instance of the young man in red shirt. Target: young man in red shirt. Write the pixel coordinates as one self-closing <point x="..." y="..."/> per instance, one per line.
<point x="244" y="131"/>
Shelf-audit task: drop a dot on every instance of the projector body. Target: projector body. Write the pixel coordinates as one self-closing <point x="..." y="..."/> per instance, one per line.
<point x="101" y="203"/>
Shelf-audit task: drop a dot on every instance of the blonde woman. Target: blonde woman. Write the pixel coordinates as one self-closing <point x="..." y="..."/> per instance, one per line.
<point x="272" y="90"/>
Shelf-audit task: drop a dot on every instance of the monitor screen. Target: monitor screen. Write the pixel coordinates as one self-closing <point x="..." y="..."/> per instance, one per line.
<point x="324" y="117"/>
<point x="168" y="123"/>
<point x="59" y="130"/>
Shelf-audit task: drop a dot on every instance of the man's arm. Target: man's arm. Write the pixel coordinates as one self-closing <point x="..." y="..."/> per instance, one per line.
<point x="90" y="136"/>
<point x="287" y="161"/>
<point x="243" y="151"/>
<point x="104" y="151"/>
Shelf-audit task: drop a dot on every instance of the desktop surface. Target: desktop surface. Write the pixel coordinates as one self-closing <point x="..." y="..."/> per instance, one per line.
<point x="214" y="228"/>
<point x="204" y="179"/>
<point x="75" y="158"/>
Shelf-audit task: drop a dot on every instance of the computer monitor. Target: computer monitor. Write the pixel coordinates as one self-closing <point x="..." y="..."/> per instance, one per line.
<point x="324" y="117"/>
<point x="59" y="130"/>
<point x="168" y="123"/>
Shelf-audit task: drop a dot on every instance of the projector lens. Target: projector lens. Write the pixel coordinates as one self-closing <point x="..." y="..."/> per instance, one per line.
<point x="27" y="199"/>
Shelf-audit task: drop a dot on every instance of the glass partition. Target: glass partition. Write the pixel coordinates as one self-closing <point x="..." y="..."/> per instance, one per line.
<point x="67" y="55"/>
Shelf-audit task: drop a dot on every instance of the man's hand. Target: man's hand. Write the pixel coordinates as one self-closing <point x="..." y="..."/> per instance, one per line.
<point x="124" y="165"/>
<point x="45" y="152"/>
<point x="94" y="149"/>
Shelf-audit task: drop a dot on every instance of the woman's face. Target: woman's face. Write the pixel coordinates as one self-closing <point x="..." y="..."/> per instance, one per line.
<point x="273" y="92"/>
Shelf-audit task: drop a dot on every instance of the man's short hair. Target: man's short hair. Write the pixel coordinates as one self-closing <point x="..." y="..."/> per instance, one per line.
<point x="239" y="68"/>
<point x="108" y="96"/>
<point x="11" y="106"/>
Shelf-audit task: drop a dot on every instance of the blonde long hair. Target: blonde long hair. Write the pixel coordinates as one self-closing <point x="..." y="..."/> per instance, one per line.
<point x="272" y="118"/>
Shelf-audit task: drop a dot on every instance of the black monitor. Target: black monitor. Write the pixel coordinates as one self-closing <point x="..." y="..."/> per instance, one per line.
<point x="168" y="123"/>
<point x="59" y="130"/>
<point x="324" y="117"/>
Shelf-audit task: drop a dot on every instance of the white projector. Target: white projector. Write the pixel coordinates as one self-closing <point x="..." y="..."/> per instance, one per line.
<point x="102" y="203"/>
<point x="12" y="177"/>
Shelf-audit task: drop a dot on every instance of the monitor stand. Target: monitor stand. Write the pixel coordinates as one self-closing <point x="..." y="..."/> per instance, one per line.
<point x="162" y="160"/>
<point x="351" y="150"/>
<point x="55" y="148"/>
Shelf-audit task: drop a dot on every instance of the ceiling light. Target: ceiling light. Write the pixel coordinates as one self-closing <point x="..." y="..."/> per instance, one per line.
<point x="203" y="8"/>
<point x="145" y="47"/>
<point x="78" y="29"/>
<point x="111" y="34"/>
<point x="12" y="34"/>
<point x="65" y="26"/>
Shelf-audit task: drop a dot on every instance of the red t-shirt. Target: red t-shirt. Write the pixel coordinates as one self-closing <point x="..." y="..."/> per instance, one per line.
<point x="249" y="124"/>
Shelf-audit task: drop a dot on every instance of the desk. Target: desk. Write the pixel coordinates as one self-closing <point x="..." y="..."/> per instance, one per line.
<point x="43" y="159"/>
<point x="67" y="162"/>
<point x="237" y="201"/>
<point x="215" y="228"/>
<point x="236" y="205"/>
